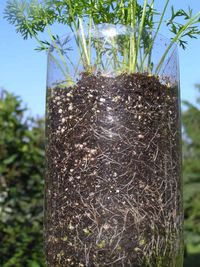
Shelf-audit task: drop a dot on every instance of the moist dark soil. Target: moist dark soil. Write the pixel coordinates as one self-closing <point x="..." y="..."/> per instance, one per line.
<point x="113" y="173"/>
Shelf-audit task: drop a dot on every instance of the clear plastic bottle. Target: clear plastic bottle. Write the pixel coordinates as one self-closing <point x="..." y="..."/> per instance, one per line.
<point x="113" y="186"/>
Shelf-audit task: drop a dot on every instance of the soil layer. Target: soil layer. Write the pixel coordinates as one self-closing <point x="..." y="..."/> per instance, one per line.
<point x="113" y="173"/>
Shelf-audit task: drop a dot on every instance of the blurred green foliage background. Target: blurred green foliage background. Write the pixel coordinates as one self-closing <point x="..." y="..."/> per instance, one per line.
<point x="191" y="177"/>
<point x="22" y="182"/>
<point x="21" y="185"/>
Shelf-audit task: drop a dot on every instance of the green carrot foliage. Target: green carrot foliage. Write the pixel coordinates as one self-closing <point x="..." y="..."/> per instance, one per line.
<point x="32" y="17"/>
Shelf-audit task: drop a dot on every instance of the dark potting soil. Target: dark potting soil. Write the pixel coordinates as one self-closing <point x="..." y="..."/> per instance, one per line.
<point x="113" y="182"/>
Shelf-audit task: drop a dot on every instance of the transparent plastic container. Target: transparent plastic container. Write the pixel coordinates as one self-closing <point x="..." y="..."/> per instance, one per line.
<point x="113" y="185"/>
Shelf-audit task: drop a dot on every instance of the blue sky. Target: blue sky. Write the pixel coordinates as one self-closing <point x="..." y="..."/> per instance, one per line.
<point x="23" y="70"/>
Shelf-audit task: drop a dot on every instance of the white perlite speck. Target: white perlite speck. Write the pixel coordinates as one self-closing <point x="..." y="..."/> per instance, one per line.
<point x="102" y="99"/>
<point x="70" y="107"/>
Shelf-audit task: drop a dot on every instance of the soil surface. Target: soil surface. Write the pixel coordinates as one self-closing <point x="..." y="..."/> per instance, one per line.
<point x="113" y="173"/>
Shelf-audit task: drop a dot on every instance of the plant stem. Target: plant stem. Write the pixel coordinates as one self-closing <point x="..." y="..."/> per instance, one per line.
<point x="121" y="6"/>
<point x="193" y="20"/>
<point x="58" y="50"/>
<point x="151" y="44"/>
<point x="42" y="45"/>
<point x="84" y="44"/>
<point x="125" y="59"/>
<point x="156" y="33"/>
<point x="132" y="51"/>
<point x="80" y="41"/>
<point x="90" y="35"/>
<point x="141" y="28"/>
